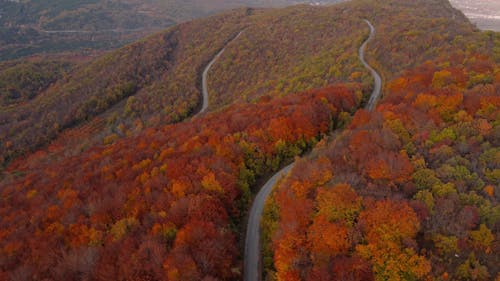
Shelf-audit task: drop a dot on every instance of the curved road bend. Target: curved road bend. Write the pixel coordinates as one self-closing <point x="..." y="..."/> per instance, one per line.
<point x="376" y="77"/>
<point x="252" y="241"/>
<point x="204" y="78"/>
<point x="252" y="264"/>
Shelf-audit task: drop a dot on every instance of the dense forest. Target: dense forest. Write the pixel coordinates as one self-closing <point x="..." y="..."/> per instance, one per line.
<point x="167" y="204"/>
<point x="407" y="192"/>
<point x="158" y="77"/>
<point x="107" y="175"/>
<point x="286" y="65"/>
<point x="156" y="80"/>
<point x="21" y="81"/>
<point x="152" y="81"/>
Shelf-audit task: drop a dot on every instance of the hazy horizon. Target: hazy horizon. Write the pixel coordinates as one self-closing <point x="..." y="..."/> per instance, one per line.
<point x="484" y="13"/>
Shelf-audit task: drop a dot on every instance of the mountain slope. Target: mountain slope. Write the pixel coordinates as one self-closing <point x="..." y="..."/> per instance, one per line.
<point x="21" y="81"/>
<point x="163" y="71"/>
<point x="282" y="51"/>
<point x="409" y="191"/>
<point x="34" y="27"/>
<point x="165" y="205"/>
<point x="253" y="258"/>
<point x="89" y="90"/>
<point x="104" y="186"/>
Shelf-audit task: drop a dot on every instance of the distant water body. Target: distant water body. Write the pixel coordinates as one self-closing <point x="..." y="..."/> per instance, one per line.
<point x="484" y="13"/>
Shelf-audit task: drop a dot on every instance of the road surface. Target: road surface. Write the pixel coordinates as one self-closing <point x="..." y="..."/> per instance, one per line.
<point x="204" y="79"/>
<point x="252" y="242"/>
<point x="376" y="77"/>
<point x="252" y="265"/>
<point x="115" y="30"/>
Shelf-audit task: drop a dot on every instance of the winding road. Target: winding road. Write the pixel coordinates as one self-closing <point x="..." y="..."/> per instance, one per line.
<point x="252" y="242"/>
<point x="376" y="77"/>
<point x="115" y="30"/>
<point x="204" y="78"/>
<point x="253" y="265"/>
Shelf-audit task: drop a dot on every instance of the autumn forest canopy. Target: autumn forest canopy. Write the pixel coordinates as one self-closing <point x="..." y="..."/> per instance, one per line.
<point x="108" y="172"/>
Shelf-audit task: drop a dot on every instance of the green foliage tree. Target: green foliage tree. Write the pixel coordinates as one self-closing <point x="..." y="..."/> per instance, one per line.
<point x="471" y="269"/>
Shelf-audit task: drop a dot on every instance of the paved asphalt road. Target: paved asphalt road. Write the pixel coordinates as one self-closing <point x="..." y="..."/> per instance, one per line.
<point x="253" y="265"/>
<point x="205" y="74"/>
<point x="376" y="77"/>
<point x="252" y="242"/>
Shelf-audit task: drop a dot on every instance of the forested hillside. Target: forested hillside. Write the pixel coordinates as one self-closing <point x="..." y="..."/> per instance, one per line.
<point x="157" y="80"/>
<point x="165" y="205"/>
<point x="158" y="75"/>
<point x="407" y="192"/>
<point x="36" y="27"/>
<point x="109" y="175"/>
<point x="21" y="81"/>
<point x="40" y="26"/>
<point x="269" y="57"/>
<point x="291" y="50"/>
